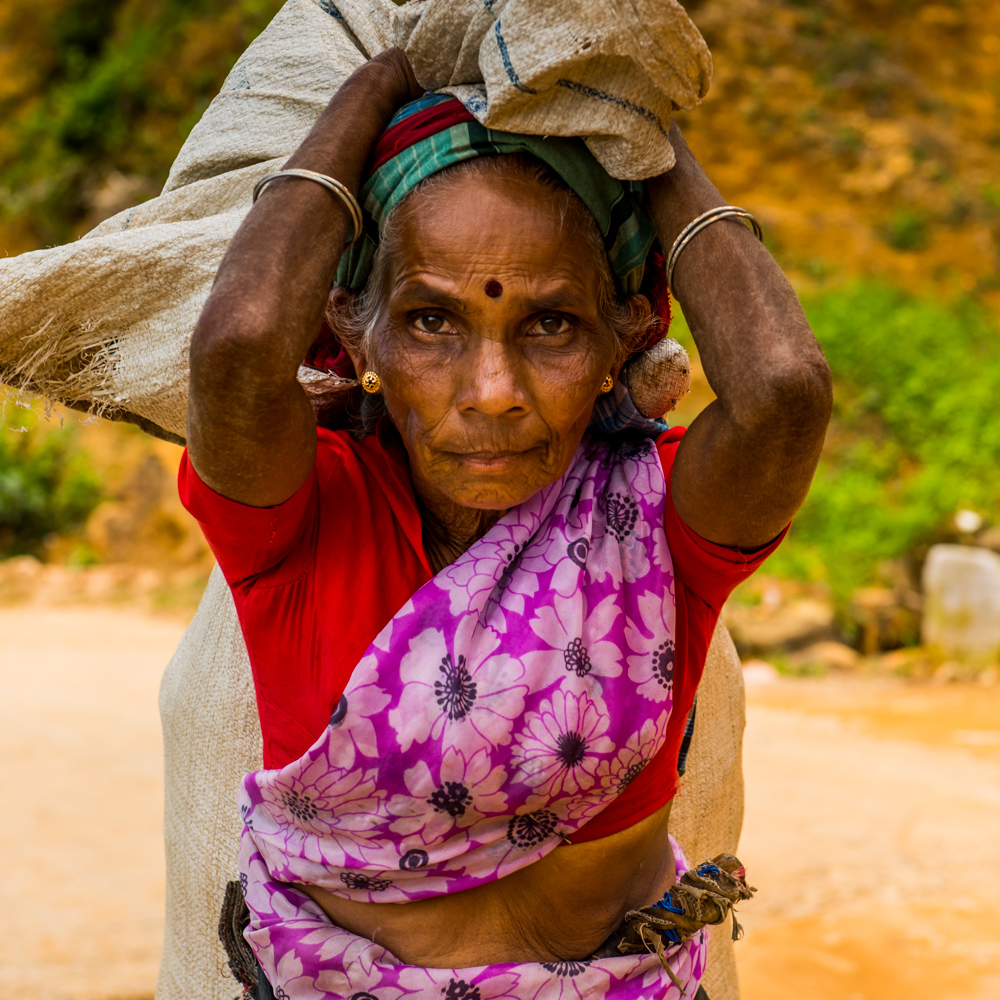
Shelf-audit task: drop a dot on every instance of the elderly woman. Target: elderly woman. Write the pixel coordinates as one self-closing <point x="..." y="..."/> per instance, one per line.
<point x="476" y="621"/>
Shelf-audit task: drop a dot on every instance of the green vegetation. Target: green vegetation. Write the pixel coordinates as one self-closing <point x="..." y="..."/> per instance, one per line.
<point x="46" y="488"/>
<point x="906" y="230"/>
<point x="95" y="87"/>
<point x="914" y="439"/>
<point x="914" y="436"/>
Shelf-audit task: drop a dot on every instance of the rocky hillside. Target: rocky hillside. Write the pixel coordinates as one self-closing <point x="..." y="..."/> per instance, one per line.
<point x="865" y="132"/>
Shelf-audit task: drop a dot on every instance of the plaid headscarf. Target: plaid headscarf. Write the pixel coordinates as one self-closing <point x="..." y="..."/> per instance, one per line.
<point x="437" y="131"/>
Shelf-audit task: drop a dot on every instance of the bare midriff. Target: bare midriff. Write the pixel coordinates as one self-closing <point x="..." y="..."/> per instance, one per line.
<point x="560" y="908"/>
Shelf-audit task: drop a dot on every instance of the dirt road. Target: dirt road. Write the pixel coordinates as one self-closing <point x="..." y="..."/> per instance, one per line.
<point x="81" y="897"/>
<point x="873" y="815"/>
<point x="872" y="829"/>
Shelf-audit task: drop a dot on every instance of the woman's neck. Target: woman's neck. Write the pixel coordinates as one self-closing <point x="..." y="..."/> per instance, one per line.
<point x="449" y="529"/>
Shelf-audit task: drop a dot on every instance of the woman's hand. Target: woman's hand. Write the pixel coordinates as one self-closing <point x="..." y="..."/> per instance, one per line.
<point x="250" y="429"/>
<point x="356" y="116"/>
<point x="745" y="466"/>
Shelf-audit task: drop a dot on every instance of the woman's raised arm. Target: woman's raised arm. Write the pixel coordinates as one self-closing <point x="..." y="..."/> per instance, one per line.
<point x="250" y="429"/>
<point x="746" y="463"/>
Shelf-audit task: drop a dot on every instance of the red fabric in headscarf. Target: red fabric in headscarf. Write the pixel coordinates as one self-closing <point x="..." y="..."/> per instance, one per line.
<point x="416" y="127"/>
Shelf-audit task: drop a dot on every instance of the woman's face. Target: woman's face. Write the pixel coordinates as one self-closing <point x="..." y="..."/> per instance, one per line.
<point x="491" y="348"/>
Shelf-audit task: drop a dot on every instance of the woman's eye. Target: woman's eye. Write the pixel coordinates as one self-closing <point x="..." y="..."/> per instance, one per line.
<point x="431" y="323"/>
<point x="551" y="325"/>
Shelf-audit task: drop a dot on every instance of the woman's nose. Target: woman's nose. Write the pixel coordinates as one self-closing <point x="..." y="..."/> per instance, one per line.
<point x="492" y="383"/>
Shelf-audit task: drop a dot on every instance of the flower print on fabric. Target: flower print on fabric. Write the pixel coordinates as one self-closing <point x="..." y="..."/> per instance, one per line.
<point x="321" y="805"/>
<point x="365" y="882"/>
<point x="295" y="983"/>
<point x="532" y="828"/>
<point x="459" y="793"/>
<point x="559" y="748"/>
<point x="468" y="699"/>
<point x="620" y="771"/>
<point x="365" y="705"/>
<point x="573" y="981"/>
<point x="642" y="476"/>
<point x="581" y="634"/>
<point x="622" y="514"/>
<point x="460" y="984"/>
<point x="563" y="562"/>
<point x="651" y="639"/>
<point x="627" y="532"/>
<point x="477" y="584"/>
<point x="563" y="559"/>
<point x="510" y="700"/>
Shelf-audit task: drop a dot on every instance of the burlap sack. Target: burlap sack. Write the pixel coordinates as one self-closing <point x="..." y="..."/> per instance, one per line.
<point x="707" y="814"/>
<point x="610" y="71"/>
<point x="104" y="323"/>
<point x="211" y="738"/>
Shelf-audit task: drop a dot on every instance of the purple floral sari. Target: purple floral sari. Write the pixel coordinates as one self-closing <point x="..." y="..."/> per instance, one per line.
<point x="509" y="701"/>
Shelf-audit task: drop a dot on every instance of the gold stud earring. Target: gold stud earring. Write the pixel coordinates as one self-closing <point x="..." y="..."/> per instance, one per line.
<point x="608" y="384"/>
<point x="370" y="382"/>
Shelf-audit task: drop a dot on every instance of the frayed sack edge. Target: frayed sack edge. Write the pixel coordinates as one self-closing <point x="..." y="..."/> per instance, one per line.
<point x="74" y="369"/>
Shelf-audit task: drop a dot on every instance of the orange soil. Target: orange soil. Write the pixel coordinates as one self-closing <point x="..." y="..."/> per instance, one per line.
<point x="866" y="817"/>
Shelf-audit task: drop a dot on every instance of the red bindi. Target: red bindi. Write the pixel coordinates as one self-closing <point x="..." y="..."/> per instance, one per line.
<point x="493" y="288"/>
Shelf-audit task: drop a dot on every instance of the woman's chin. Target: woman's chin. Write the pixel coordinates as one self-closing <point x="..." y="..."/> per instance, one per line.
<point x="498" y="482"/>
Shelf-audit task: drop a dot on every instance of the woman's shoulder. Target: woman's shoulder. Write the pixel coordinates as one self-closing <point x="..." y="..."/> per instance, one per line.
<point x="376" y="461"/>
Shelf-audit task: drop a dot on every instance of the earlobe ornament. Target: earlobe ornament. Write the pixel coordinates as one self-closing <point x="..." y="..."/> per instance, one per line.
<point x="371" y="383"/>
<point x="608" y="384"/>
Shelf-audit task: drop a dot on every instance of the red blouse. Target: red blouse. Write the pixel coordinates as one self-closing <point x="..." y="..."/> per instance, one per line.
<point x="317" y="577"/>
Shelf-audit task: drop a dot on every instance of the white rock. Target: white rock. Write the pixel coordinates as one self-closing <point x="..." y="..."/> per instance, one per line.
<point x="962" y="602"/>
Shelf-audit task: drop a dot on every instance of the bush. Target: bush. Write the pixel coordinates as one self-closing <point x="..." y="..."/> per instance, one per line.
<point x="105" y="86"/>
<point x="914" y="436"/>
<point x="46" y="488"/>
<point x="906" y="230"/>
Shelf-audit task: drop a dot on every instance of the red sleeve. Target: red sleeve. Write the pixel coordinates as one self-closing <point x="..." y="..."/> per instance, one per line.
<point x="711" y="572"/>
<point x="247" y="541"/>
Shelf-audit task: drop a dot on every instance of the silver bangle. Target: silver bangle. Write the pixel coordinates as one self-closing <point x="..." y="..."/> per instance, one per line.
<point x="703" y="221"/>
<point x="330" y="183"/>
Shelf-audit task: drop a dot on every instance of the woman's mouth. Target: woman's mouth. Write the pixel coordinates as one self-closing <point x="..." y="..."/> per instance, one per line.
<point x="493" y="461"/>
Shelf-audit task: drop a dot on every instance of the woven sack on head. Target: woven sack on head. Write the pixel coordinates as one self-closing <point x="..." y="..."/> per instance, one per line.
<point x="610" y="70"/>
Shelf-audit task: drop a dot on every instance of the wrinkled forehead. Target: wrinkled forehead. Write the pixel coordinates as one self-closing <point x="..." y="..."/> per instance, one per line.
<point x="514" y="230"/>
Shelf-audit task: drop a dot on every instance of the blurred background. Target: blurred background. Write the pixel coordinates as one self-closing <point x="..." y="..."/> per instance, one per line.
<point x="866" y="138"/>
